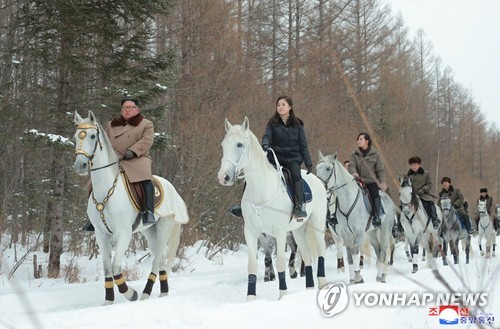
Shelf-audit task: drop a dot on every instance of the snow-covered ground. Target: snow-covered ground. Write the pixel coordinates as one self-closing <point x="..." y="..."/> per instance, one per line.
<point x="212" y="294"/>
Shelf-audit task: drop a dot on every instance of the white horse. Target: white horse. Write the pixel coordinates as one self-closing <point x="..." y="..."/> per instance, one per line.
<point x="267" y="207"/>
<point x="417" y="225"/>
<point x="113" y="214"/>
<point x="453" y="231"/>
<point x="353" y="217"/>
<point x="486" y="230"/>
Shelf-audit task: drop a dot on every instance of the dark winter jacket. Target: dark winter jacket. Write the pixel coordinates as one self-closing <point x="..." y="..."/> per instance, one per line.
<point x="288" y="142"/>
<point x="421" y="184"/>
<point x="456" y="196"/>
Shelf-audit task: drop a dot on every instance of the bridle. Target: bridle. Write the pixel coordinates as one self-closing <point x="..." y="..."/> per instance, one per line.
<point x="79" y="150"/>
<point x="332" y="189"/>
<point x="245" y="154"/>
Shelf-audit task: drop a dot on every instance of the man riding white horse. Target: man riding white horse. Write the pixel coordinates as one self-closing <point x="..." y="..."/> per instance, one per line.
<point x="132" y="136"/>
<point x="457" y="199"/>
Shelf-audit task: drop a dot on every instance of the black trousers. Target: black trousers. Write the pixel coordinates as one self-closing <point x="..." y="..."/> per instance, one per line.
<point x="294" y="168"/>
<point x="373" y="190"/>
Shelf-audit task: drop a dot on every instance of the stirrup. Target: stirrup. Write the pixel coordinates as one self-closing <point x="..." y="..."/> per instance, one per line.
<point x="376" y="221"/>
<point x="148" y="218"/>
<point x="435" y="223"/>
<point x="236" y="211"/>
<point x="332" y="220"/>
<point x="299" y="214"/>
<point x="88" y="227"/>
<point x="396" y="232"/>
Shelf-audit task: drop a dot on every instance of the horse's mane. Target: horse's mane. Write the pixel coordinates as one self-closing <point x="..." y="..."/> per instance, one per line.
<point x="414" y="197"/>
<point x="255" y="147"/>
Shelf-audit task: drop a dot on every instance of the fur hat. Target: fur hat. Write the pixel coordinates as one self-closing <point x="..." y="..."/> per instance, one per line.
<point x="446" y="179"/>
<point x="415" y="159"/>
<point x="130" y="99"/>
<point x="484" y="189"/>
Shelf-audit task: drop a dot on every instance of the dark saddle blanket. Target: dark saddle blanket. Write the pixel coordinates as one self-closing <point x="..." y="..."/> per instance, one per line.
<point x="289" y="187"/>
<point x="135" y="192"/>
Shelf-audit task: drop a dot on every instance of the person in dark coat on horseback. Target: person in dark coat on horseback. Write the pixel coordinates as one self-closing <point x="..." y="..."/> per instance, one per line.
<point x="285" y="135"/>
<point x="422" y="185"/>
<point x="484" y="196"/>
<point x="457" y="200"/>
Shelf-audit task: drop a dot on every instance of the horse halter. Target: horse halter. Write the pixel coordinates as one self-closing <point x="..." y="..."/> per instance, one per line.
<point x="237" y="164"/>
<point x="81" y="135"/>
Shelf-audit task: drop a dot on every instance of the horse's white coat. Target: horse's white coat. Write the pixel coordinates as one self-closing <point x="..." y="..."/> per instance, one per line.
<point x="452" y="230"/>
<point x="485" y="228"/>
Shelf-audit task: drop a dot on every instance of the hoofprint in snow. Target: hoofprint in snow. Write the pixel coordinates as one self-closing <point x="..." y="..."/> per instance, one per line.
<point x="212" y="294"/>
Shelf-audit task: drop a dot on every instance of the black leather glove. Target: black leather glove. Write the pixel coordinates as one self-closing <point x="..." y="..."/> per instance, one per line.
<point x="128" y="155"/>
<point x="421" y="191"/>
<point x="309" y="169"/>
<point x="265" y="147"/>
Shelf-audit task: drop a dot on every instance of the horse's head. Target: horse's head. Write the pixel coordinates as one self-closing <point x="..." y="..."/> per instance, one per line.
<point x="326" y="167"/>
<point x="405" y="194"/>
<point x="235" y="152"/>
<point x="446" y="205"/>
<point x="86" y="142"/>
<point x="481" y="207"/>
<point x="497" y="210"/>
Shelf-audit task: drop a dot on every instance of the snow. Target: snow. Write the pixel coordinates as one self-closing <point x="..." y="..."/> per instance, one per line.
<point x="212" y="294"/>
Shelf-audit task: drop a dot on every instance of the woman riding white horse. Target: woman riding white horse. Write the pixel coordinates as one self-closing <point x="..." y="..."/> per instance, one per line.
<point x="267" y="207"/>
<point x="113" y="215"/>
<point x="354" y="218"/>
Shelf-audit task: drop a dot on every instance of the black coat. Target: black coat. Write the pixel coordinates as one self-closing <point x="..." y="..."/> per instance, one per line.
<point x="289" y="143"/>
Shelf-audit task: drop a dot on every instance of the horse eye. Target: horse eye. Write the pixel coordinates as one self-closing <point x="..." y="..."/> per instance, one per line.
<point x="239" y="145"/>
<point x="92" y="136"/>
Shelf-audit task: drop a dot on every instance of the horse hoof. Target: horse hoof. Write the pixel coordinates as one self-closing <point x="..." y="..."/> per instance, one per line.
<point x="283" y="293"/>
<point x="293" y="274"/>
<point x="467" y="261"/>
<point x="445" y="263"/>
<point x="360" y="281"/>
<point x="351" y="282"/>
<point x="378" y="279"/>
<point x="267" y="279"/>
<point x="144" y="296"/>
<point x="107" y="302"/>
<point x="415" y="268"/>
<point x="409" y="259"/>
<point x="131" y="295"/>
<point x="251" y="298"/>
<point x="482" y="253"/>
<point x="163" y="294"/>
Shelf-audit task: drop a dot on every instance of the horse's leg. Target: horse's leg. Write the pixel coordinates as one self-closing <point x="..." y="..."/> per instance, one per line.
<point x="456" y="252"/>
<point x="122" y="242"/>
<point x="414" y="256"/>
<point x="479" y="238"/>
<point x="266" y="241"/>
<point x="300" y="238"/>
<point x="339" y="243"/>
<point x="467" y="249"/>
<point x="357" y="271"/>
<point x="316" y="237"/>
<point x="151" y="237"/>
<point x="391" y="260"/>
<point x="251" y="238"/>
<point x="281" y="263"/>
<point x="293" y="252"/>
<point x="103" y="240"/>
<point x="444" y="251"/>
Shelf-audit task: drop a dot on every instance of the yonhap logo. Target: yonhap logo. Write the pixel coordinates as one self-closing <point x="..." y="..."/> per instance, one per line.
<point x="332" y="299"/>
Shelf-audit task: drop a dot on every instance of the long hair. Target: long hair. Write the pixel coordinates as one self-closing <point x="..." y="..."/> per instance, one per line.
<point x="292" y="119"/>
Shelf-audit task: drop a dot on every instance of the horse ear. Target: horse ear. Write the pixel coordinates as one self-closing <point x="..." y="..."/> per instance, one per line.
<point x="92" y="117"/>
<point x="246" y="123"/>
<point x="227" y="124"/>
<point x="77" y="118"/>
<point x="321" y="156"/>
<point x="335" y="155"/>
<point x="400" y="180"/>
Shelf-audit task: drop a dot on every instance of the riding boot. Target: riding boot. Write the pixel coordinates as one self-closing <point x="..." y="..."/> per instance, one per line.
<point x="467" y="224"/>
<point x="496" y="225"/>
<point x="298" y="210"/>
<point x="331" y="219"/>
<point x="148" y="217"/>
<point x="88" y="226"/>
<point x="377" y="205"/>
<point x="397" y="229"/>
<point x="236" y="210"/>
<point x="434" y="216"/>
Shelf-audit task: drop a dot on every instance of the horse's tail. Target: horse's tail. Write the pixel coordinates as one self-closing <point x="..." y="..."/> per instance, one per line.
<point x="173" y="244"/>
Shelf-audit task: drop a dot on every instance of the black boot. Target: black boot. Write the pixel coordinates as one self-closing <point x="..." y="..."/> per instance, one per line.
<point x="470" y="231"/>
<point x="236" y="210"/>
<point x="298" y="210"/>
<point x="148" y="217"/>
<point x="88" y="226"/>
<point x="496" y="225"/>
<point x="331" y="219"/>
<point x="377" y="205"/>
<point x="397" y="229"/>
<point x="434" y="216"/>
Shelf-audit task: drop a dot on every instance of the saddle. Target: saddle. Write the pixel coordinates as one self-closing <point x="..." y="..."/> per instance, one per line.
<point x="367" y="199"/>
<point x="135" y="192"/>
<point x="289" y="186"/>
